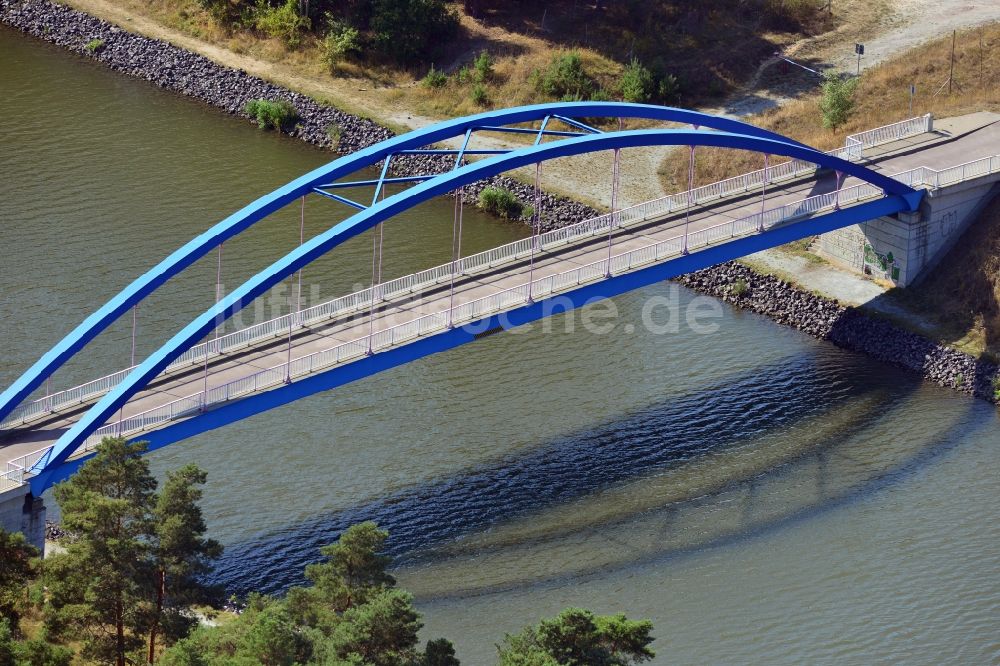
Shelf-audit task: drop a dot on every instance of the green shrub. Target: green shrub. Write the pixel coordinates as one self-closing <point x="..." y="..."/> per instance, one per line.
<point x="335" y="131"/>
<point x="668" y="89"/>
<point x="600" y="95"/>
<point x="409" y="31"/>
<point x="282" y="22"/>
<point x="479" y="94"/>
<point x="503" y="203"/>
<point x="996" y="388"/>
<point x="94" y="45"/>
<point x="228" y="11"/>
<point x="483" y="67"/>
<point x="435" y="78"/>
<point x="739" y="287"/>
<point x="463" y="76"/>
<point x="637" y="82"/>
<point x="565" y="79"/>
<point x="838" y="99"/>
<point x="341" y="41"/>
<point x="221" y="10"/>
<point x="271" y="114"/>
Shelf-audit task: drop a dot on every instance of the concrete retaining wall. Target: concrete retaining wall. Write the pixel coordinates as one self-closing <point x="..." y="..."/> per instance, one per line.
<point x="19" y="512"/>
<point x="902" y="249"/>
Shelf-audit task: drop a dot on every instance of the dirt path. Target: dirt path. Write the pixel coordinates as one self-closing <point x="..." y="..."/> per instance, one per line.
<point x="908" y="24"/>
<point x="918" y="21"/>
<point x="899" y="26"/>
<point x="588" y="178"/>
<point x="352" y="95"/>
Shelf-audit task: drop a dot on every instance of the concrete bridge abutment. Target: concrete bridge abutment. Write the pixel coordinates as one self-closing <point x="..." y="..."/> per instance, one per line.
<point x="20" y="511"/>
<point x="904" y="247"/>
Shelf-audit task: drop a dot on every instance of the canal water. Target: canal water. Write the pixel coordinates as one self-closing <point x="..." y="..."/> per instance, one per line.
<point x="761" y="496"/>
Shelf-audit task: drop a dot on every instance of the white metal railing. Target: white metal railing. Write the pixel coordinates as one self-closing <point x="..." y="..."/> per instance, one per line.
<point x="934" y="178"/>
<point x="18" y="468"/>
<point x="894" y="132"/>
<point x="360" y="300"/>
<point x="475" y="310"/>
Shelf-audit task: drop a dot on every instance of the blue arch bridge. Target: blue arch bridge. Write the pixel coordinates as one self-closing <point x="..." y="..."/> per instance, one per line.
<point x="45" y="435"/>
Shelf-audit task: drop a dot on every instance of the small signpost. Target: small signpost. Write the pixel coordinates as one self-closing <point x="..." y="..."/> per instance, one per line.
<point x="860" y="50"/>
<point x="913" y="93"/>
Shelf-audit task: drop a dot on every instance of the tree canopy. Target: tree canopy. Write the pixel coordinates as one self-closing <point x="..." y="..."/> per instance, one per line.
<point x="130" y="573"/>
<point x="352" y="614"/>
<point x="131" y="569"/>
<point x="17" y="556"/>
<point x="577" y="637"/>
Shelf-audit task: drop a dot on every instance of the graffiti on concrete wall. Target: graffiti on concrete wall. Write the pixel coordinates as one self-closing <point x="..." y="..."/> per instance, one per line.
<point x="948" y="222"/>
<point x="881" y="265"/>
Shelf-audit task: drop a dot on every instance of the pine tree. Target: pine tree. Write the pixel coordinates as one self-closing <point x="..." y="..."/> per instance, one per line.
<point x="100" y="586"/>
<point x="353" y="616"/>
<point x="355" y="569"/>
<point x="16" y="556"/>
<point x="380" y="632"/>
<point x="439" y="652"/>
<point x="576" y="637"/>
<point x="272" y="639"/>
<point x="181" y="555"/>
<point x="131" y="570"/>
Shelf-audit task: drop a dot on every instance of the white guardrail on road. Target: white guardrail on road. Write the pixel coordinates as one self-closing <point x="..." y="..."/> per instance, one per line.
<point x="853" y="150"/>
<point x="21" y="468"/>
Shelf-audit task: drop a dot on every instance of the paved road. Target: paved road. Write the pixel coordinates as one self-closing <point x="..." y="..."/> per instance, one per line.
<point x="952" y="143"/>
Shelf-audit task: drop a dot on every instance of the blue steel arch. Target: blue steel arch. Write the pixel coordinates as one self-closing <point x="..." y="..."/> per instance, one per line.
<point x="899" y="197"/>
<point x="247" y="216"/>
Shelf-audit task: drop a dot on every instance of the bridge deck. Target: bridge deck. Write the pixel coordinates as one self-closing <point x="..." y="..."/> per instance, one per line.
<point x="937" y="150"/>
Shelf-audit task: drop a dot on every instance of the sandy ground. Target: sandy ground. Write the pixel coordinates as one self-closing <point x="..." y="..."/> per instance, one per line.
<point x="905" y="23"/>
<point x="918" y="21"/>
<point x="845" y="286"/>
<point x="817" y="276"/>
<point x="909" y="23"/>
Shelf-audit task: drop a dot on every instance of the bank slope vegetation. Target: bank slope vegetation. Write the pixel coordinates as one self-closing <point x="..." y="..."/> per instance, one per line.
<point x="881" y="96"/>
<point x="643" y="50"/>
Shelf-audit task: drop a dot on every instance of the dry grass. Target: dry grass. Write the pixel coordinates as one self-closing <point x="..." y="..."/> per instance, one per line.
<point x="188" y="17"/>
<point x="711" y="47"/>
<point x="882" y="98"/>
<point x="32" y="627"/>
<point x="511" y="84"/>
<point x="962" y="295"/>
<point x="712" y="50"/>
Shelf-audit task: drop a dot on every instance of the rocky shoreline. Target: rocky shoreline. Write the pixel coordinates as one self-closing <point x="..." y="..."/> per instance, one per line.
<point x="846" y="327"/>
<point x="229" y="89"/>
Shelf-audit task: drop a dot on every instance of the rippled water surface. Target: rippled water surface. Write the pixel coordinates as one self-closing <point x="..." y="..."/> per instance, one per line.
<point x="763" y="497"/>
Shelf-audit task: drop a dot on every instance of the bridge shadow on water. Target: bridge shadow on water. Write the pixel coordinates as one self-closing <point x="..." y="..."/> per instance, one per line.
<point x="428" y="522"/>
